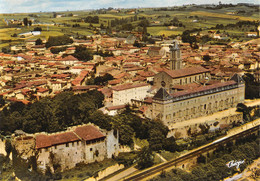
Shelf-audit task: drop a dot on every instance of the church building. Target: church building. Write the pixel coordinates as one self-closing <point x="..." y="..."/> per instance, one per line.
<point x="178" y="75"/>
<point x="189" y="93"/>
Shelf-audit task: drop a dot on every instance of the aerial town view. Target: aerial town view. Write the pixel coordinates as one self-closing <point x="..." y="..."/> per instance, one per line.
<point x="129" y="90"/>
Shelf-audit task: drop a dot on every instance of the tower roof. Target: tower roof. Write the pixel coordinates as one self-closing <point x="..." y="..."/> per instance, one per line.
<point x="162" y="94"/>
<point x="237" y="78"/>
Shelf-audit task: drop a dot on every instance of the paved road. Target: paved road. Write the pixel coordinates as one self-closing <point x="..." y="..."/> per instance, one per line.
<point x="123" y="174"/>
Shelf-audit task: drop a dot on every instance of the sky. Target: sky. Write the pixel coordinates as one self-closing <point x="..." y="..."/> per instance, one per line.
<point x="26" y="6"/>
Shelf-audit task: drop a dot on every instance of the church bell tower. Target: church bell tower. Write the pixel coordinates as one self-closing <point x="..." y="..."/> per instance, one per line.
<point x="175" y="57"/>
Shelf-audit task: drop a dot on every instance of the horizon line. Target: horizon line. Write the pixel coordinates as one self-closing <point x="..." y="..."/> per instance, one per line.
<point x="93" y="9"/>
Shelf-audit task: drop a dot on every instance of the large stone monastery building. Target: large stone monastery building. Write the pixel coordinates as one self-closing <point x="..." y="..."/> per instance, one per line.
<point x="190" y="93"/>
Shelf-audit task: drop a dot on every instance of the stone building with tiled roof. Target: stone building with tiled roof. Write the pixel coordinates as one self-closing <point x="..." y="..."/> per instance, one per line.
<point x="196" y="101"/>
<point x="180" y="77"/>
<point x="64" y="150"/>
<point x="124" y="94"/>
<point x="188" y="93"/>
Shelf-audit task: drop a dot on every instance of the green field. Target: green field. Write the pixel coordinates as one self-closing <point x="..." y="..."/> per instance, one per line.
<point x="206" y="18"/>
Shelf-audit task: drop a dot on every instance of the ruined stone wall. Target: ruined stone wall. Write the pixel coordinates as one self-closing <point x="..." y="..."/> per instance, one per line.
<point x="25" y="146"/>
<point x="112" y="141"/>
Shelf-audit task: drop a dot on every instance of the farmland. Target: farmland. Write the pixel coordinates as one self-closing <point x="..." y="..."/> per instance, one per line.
<point x="189" y="17"/>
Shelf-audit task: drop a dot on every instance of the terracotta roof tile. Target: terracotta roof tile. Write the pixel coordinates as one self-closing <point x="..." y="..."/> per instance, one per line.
<point x="186" y="71"/>
<point x="43" y="141"/>
<point x="88" y="132"/>
<point x="110" y="108"/>
<point x="128" y="86"/>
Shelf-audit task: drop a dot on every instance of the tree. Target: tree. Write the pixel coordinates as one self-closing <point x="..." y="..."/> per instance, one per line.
<point x="102" y="80"/>
<point x="82" y="53"/>
<point x="96" y="96"/>
<point x="52" y="115"/>
<point x="37" y="29"/>
<point x="58" y="40"/>
<point x="206" y="58"/>
<point x="102" y="120"/>
<point x="145" y="158"/>
<point x="245" y="110"/>
<point x="220" y="165"/>
<point x="126" y="132"/>
<point x="200" y="173"/>
<point x="38" y="42"/>
<point x="156" y="139"/>
<point x="2" y="101"/>
<point x="25" y="21"/>
<point x="5" y="50"/>
<point x="186" y="38"/>
<point x="169" y="144"/>
<point x="184" y="175"/>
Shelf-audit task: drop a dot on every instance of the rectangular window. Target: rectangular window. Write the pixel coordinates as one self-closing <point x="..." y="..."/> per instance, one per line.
<point x="90" y="149"/>
<point x="67" y="144"/>
<point x="72" y="143"/>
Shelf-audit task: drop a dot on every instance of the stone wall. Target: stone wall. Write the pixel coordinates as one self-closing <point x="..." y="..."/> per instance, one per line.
<point x="112" y="143"/>
<point x="223" y="119"/>
<point x="66" y="156"/>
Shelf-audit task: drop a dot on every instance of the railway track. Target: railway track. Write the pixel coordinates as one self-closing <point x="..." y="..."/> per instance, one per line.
<point x="159" y="168"/>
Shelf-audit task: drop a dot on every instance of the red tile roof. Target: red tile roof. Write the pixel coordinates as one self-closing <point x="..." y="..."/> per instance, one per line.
<point x="114" y="82"/>
<point x="186" y="72"/>
<point x="63" y="138"/>
<point x="85" y="88"/>
<point x="69" y="58"/>
<point x="88" y="132"/>
<point x="203" y="88"/>
<point x="128" y="86"/>
<point x="115" y="107"/>
<point x="42" y="90"/>
<point x="43" y="141"/>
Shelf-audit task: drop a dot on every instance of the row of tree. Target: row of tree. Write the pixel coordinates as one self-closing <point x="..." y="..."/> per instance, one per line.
<point x="50" y="115"/>
<point x="251" y="25"/>
<point x="58" y="40"/>
<point x="66" y="109"/>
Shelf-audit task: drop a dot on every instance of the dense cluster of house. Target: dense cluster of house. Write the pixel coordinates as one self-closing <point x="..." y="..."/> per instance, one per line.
<point x="167" y="80"/>
<point x="36" y="72"/>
